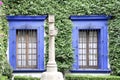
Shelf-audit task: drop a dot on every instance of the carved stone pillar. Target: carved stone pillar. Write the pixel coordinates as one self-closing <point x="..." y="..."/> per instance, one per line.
<point x="52" y="73"/>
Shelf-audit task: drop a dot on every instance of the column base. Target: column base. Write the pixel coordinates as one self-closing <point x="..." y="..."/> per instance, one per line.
<point x="52" y="76"/>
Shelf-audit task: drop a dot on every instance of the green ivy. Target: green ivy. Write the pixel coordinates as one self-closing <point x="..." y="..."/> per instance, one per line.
<point x="3" y="78"/>
<point x="25" y="78"/>
<point x="88" y="77"/>
<point x="4" y="66"/>
<point x="62" y="9"/>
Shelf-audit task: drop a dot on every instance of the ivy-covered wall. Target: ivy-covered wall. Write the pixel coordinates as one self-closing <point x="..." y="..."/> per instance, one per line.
<point x="4" y="66"/>
<point x="62" y="9"/>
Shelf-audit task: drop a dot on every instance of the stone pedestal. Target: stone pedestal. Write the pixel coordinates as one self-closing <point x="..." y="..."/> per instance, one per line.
<point x="52" y="73"/>
<point x="52" y="76"/>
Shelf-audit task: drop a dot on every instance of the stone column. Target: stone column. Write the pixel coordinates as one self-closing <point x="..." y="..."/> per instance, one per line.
<point x="52" y="73"/>
<point x="52" y="66"/>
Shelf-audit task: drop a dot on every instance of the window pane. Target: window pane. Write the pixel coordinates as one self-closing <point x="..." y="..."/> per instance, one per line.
<point x="19" y="57"/>
<point x="24" y="57"/>
<point x="91" y="63"/>
<point x="34" y="63"/>
<point x="23" y="51"/>
<point x="23" y="63"/>
<point x="29" y="57"/>
<point x="84" y="63"/>
<point x="29" y="62"/>
<point x="19" y="63"/>
<point x="88" y="46"/>
<point x="26" y="48"/>
<point x="34" y="57"/>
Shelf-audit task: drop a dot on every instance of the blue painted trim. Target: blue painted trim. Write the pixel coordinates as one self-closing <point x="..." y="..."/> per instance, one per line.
<point x="12" y="48"/>
<point x="90" y="71"/>
<point x="97" y="22"/>
<point x="26" y="18"/>
<point x="102" y="48"/>
<point x="105" y="47"/>
<point x="28" y="71"/>
<point x="38" y="38"/>
<point x="26" y="23"/>
<point x="75" y="47"/>
<point x="89" y="17"/>
<point x="99" y="49"/>
<point x="41" y="48"/>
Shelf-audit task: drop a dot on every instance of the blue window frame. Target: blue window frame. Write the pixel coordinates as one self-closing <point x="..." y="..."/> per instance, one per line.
<point x="87" y="23"/>
<point x="26" y="23"/>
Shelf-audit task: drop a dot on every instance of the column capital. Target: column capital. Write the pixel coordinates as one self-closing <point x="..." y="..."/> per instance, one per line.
<point x="51" y="19"/>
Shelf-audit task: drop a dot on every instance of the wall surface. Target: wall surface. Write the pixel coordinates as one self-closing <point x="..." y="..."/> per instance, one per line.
<point x="62" y="9"/>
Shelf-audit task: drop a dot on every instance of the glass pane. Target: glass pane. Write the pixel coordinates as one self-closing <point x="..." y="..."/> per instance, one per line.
<point x="84" y="57"/>
<point x="34" y="45"/>
<point x="19" y="63"/>
<point x="84" y="63"/>
<point x="90" y="45"/>
<point x="95" y="39"/>
<point x="23" y="45"/>
<point x="80" y="51"/>
<point x="19" y="51"/>
<point x="80" y="62"/>
<point x="80" y="57"/>
<point x="29" y="57"/>
<point x="95" y="51"/>
<point x="30" y="45"/>
<point x="19" y="57"/>
<point x="90" y="57"/>
<point x="95" y="33"/>
<point x="23" y="51"/>
<point x="34" y="62"/>
<point x="91" y="33"/>
<point x="24" y="57"/>
<point x="19" y="45"/>
<point x="90" y="51"/>
<point x="34" y="51"/>
<point x="91" y="63"/>
<point x="95" y="63"/>
<point x="29" y="62"/>
<point x="94" y="45"/>
<point x="23" y="63"/>
<point x="34" y="57"/>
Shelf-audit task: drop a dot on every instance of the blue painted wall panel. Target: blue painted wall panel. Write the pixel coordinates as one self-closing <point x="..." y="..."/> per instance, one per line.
<point x="12" y="48"/>
<point x="99" y="50"/>
<point x="92" y="22"/>
<point x="105" y="65"/>
<point x="74" y="39"/>
<point x="41" y="47"/>
<point x="26" y="23"/>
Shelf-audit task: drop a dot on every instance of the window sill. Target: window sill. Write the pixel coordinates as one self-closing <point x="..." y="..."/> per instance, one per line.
<point x="30" y="71"/>
<point x="91" y="71"/>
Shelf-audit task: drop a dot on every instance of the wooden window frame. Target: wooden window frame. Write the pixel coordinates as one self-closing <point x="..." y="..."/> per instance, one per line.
<point x="88" y="66"/>
<point x="26" y="51"/>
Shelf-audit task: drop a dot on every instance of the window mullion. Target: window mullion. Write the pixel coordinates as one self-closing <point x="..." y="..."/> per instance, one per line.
<point x="27" y="40"/>
<point x="17" y="42"/>
<point x="21" y="49"/>
<point x="97" y="48"/>
<point x="87" y="46"/>
<point x="31" y="41"/>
